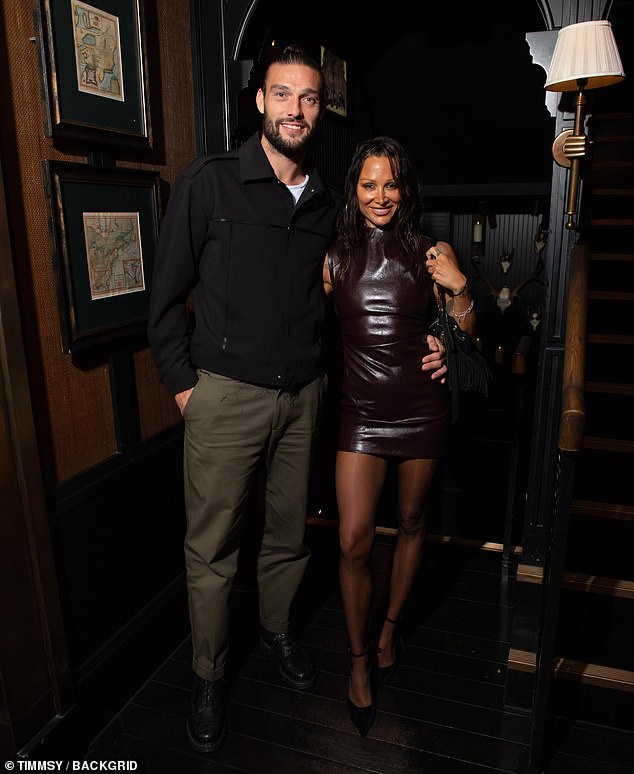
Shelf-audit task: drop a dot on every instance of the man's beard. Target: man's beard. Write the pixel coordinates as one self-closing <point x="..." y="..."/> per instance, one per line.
<point x="289" y="148"/>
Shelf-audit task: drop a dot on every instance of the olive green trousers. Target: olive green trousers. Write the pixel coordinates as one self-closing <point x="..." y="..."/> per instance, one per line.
<point x="231" y="426"/>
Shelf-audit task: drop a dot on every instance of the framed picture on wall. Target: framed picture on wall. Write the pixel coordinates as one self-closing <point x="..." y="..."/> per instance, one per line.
<point x="335" y="82"/>
<point x="104" y="223"/>
<point x="94" y="71"/>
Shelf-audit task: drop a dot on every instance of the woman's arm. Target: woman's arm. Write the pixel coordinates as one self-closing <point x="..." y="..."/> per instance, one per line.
<point x="443" y="267"/>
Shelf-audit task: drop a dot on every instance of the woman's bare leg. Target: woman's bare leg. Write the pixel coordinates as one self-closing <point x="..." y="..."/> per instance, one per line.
<point x="359" y="480"/>
<point x="414" y="481"/>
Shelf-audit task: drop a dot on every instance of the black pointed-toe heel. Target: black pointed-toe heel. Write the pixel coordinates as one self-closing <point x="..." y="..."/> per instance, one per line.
<point x="384" y="674"/>
<point x="361" y="717"/>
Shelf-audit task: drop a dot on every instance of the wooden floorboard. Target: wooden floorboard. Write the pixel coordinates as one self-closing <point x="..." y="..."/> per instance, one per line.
<point x="574" y="764"/>
<point x="591" y="743"/>
<point x="442" y="713"/>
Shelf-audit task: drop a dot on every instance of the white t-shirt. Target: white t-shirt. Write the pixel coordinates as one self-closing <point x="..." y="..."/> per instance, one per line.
<point x="297" y="190"/>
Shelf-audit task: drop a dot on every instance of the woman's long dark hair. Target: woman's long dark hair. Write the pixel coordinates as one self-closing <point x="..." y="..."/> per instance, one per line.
<point x="408" y="220"/>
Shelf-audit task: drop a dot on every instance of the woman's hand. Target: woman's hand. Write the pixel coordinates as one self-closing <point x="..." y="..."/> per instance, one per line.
<point x="443" y="267"/>
<point x="435" y="361"/>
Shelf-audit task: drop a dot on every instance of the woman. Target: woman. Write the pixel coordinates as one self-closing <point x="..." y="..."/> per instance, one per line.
<point x="382" y="271"/>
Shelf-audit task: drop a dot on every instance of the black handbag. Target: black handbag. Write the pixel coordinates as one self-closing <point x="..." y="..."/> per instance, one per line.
<point x="467" y="370"/>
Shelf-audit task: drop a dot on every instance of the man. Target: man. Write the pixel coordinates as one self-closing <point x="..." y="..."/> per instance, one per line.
<point x="246" y="232"/>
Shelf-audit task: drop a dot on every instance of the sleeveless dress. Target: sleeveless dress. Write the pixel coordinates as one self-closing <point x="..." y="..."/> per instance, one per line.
<point x="389" y="406"/>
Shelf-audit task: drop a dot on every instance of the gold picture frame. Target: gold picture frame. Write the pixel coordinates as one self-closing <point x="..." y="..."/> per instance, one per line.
<point x="94" y="71"/>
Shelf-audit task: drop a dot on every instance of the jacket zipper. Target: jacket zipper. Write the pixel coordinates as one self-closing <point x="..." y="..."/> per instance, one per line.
<point x="226" y="320"/>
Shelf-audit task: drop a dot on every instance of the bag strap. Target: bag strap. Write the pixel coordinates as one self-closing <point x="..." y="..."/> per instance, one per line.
<point x="440" y="297"/>
<point x="452" y="375"/>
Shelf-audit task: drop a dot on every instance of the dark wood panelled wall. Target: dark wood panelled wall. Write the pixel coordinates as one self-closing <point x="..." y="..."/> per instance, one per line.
<point x="108" y="435"/>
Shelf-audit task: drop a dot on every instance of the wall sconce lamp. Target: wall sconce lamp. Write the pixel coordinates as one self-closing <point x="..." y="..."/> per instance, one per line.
<point x="477" y="230"/>
<point x="585" y="57"/>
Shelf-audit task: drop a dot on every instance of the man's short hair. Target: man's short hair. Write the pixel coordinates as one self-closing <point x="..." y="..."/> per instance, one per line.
<point x="292" y="54"/>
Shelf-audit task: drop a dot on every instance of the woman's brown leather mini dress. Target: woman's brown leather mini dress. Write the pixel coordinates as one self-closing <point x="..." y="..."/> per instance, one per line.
<point x="389" y="406"/>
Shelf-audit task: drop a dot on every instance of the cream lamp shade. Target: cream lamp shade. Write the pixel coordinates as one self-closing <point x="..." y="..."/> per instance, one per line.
<point x="584" y="52"/>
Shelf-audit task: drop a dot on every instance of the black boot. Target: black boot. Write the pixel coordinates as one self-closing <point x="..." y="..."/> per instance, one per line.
<point x="294" y="663"/>
<point x="206" y="725"/>
<point x="361" y="717"/>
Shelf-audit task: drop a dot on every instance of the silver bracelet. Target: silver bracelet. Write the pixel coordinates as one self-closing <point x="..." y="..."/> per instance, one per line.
<point x="461" y="315"/>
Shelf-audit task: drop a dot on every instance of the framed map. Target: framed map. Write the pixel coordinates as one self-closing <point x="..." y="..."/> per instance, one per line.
<point x="113" y="253"/>
<point x="94" y="71"/>
<point x="97" y="46"/>
<point x="105" y="231"/>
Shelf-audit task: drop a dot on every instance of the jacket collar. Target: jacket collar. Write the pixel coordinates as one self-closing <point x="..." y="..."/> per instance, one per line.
<point x="254" y="166"/>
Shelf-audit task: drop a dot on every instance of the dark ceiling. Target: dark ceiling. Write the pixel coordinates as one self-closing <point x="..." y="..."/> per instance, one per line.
<point x="453" y="80"/>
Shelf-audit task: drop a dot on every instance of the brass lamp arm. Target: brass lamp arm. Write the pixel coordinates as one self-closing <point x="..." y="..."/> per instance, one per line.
<point x="569" y="148"/>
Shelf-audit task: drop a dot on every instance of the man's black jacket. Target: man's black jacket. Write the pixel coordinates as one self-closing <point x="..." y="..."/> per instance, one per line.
<point x="233" y="234"/>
